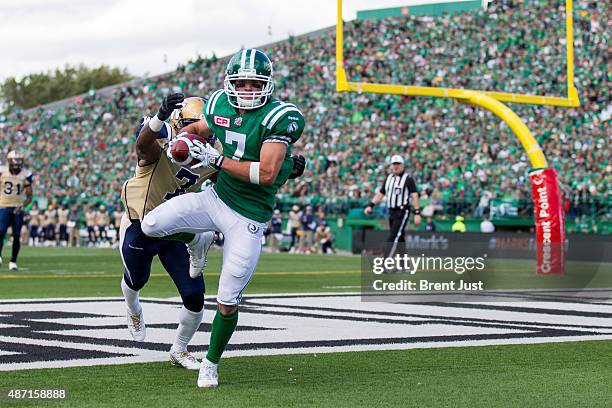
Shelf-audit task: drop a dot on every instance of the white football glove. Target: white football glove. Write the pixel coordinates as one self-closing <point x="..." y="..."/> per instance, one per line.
<point x="169" y="150"/>
<point x="206" y="154"/>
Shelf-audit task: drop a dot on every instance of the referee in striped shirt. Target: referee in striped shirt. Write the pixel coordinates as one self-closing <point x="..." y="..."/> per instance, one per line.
<point x="399" y="188"/>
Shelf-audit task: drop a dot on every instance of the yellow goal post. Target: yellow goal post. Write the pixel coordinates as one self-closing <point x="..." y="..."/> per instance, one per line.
<point x="491" y="101"/>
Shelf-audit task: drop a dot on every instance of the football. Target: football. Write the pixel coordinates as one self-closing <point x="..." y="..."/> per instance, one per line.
<point x="181" y="147"/>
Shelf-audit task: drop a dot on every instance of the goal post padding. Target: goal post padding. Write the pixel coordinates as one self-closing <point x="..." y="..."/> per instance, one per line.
<point x="549" y="222"/>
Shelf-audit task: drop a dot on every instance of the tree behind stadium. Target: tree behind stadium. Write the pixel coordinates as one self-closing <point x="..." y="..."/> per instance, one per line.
<point x="40" y="88"/>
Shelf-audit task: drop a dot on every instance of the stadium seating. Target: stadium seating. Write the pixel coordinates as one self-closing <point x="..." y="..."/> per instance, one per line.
<point x="83" y="151"/>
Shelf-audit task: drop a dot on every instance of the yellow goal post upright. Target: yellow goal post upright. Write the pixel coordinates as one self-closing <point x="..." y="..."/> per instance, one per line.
<point x="550" y="229"/>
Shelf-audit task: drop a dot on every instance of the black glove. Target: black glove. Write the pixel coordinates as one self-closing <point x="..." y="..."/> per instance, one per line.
<point x="169" y="104"/>
<point x="299" y="163"/>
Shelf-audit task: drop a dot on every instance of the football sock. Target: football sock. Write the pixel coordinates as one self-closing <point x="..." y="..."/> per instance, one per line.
<point x="16" y="247"/>
<point x="222" y="329"/>
<point x="185" y="237"/>
<point x="131" y="298"/>
<point x="188" y="324"/>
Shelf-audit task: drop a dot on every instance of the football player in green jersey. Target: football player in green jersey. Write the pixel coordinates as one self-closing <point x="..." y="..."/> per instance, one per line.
<point x="256" y="132"/>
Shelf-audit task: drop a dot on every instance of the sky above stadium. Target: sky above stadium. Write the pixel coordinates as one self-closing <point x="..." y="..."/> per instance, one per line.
<point x="150" y="37"/>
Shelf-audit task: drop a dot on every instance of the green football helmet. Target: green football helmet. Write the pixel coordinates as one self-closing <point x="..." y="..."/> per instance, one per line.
<point x="249" y="64"/>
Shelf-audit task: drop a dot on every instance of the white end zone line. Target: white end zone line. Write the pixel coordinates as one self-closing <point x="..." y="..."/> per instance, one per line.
<point x="68" y="332"/>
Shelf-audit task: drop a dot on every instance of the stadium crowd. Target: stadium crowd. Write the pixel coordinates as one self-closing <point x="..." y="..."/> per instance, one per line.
<point x="88" y="225"/>
<point x="464" y="158"/>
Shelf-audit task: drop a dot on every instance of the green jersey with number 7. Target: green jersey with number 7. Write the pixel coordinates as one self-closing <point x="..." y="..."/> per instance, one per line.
<point x="242" y="137"/>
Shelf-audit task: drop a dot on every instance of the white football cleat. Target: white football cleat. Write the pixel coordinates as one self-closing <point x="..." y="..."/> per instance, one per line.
<point x="184" y="359"/>
<point x="208" y="377"/>
<point x="13" y="266"/>
<point x="198" y="249"/>
<point x="136" y="325"/>
<point x="0" y="261"/>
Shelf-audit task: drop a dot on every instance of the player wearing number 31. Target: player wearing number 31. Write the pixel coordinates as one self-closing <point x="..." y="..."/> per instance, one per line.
<point x="15" y="194"/>
<point x="256" y="132"/>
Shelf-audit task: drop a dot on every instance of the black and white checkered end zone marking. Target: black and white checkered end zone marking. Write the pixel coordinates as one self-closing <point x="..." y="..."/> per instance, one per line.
<point x="81" y="332"/>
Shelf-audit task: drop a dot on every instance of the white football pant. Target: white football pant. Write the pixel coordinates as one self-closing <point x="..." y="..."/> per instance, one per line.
<point x="204" y="211"/>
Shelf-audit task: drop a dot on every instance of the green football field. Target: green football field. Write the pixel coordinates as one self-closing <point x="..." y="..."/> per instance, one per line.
<point x="556" y="375"/>
<point x="567" y="374"/>
<point x="65" y="272"/>
<point x="90" y="272"/>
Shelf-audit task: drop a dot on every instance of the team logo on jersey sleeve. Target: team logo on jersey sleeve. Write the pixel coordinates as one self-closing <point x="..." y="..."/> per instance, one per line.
<point x="293" y="126"/>
<point x="222" y="121"/>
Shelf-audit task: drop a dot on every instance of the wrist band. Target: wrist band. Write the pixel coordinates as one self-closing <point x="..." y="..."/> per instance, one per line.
<point x="372" y="204"/>
<point x="416" y="211"/>
<point x="254" y="173"/>
<point x="218" y="163"/>
<point x="155" y="124"/>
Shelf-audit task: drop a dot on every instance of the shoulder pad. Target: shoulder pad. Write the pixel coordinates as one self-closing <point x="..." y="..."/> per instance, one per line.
<point x="163" y="132"/>
<point x="285" y="126"/>
<point x="277" y="112"/>
<point x="212" y="101"/>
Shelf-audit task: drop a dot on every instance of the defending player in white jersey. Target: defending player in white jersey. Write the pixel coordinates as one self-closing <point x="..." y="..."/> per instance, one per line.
<point x="156" y="180"/>
<point x="15" y="194"/>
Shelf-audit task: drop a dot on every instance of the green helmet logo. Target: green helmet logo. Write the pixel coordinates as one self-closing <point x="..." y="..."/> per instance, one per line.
<point x="248" y="65"/>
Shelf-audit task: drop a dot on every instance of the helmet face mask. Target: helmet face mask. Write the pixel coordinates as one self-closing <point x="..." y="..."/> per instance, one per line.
<point x="15" y="166"/>
<point x="249" y="65"/>
<point x="189" y="113"/>
<point x="181" y="123"/>
<point x="15" y="161"/>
